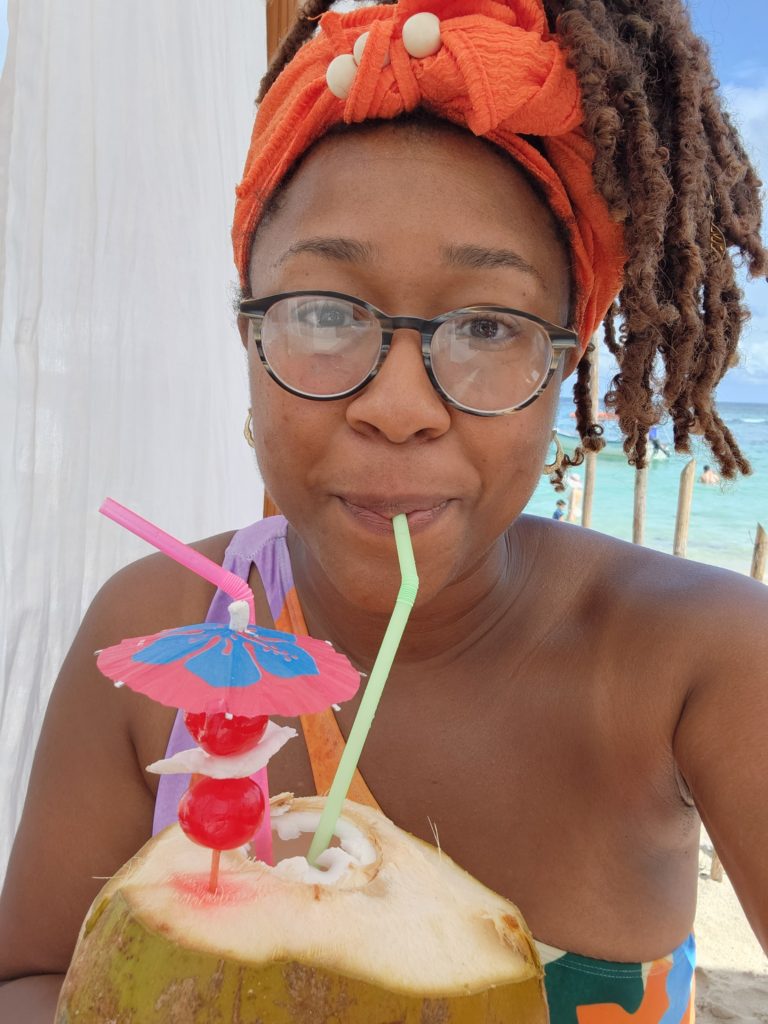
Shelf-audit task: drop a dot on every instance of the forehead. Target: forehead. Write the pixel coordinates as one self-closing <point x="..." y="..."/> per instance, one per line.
<point x="409" y="197"/>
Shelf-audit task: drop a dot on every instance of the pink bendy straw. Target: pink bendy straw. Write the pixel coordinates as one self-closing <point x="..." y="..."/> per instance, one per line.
<point x="227" y="581"/>
<point x="237" y="589"/>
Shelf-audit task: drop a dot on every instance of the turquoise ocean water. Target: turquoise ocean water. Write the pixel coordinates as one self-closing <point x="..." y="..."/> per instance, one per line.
<point x="723" y="518"/>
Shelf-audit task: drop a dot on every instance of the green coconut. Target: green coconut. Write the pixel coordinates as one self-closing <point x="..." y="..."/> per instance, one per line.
<point x="386" y="929"/>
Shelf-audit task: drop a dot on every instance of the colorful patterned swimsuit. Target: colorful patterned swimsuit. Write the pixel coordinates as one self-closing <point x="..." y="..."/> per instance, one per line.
<point x="580" y="989"/>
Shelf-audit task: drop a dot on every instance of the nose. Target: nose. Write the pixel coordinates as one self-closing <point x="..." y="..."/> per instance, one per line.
<point x="400" y="403"/>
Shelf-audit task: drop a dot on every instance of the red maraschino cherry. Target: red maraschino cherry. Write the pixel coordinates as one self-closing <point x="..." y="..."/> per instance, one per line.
<point x="219" y="735"/>
<point x="221" y="814"/>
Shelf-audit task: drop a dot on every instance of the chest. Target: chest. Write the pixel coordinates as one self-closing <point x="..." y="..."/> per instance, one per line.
<point x="520" y="780"/>
<point x="552" y="788"/>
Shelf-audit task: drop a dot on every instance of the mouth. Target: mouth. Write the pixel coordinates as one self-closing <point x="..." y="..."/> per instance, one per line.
<point x="376" y="513"/>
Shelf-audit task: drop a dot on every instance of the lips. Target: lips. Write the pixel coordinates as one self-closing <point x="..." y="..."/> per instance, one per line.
<point x="377" y="512"/>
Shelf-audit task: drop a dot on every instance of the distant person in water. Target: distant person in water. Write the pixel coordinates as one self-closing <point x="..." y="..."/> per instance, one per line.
<point x="559" y="512"/>
<point x="653" y="437"/>
<point x="709" y="476"/>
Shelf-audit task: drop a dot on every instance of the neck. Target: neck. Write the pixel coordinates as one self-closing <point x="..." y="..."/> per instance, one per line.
<point x="458" y="619"/>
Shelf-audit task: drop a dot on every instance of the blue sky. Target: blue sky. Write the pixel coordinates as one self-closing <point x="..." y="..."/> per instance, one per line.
<point x="737" y="32"/>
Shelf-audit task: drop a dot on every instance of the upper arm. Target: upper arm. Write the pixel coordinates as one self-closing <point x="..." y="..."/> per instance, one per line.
<point x="89" y="806"/>
<point x="721" y="742"/>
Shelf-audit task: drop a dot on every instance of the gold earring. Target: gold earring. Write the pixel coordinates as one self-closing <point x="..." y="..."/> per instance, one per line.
<point x="717" y="243"/>
<point x="552" y="467"/>
<point x="248" y="431"/>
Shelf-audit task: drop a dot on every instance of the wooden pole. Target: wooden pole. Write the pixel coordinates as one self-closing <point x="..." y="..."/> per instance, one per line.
<point x="590" y="473"/>
<point x="281" y="15"/>
<point x="759" y="555"/>
<point x="684" y="500"/>
<point x="590" y="467"/>
<point x="638" y="518"/>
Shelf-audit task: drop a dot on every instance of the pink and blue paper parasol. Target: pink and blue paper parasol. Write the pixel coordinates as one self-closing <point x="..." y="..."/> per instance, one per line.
<point x="239" y="669"/>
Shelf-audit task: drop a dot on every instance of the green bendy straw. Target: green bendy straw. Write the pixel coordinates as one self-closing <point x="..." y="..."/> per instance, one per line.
<point x="406" y="596"/>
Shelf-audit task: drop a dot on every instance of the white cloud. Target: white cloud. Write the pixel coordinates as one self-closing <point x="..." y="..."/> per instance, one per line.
<point x="748" y="104"/>
<point x="747" y="100"/>
<point x="754" y="344"/>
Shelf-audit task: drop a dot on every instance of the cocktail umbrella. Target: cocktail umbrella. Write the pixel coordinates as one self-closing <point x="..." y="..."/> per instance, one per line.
<point x="281" y="651"/>
<point x="239" y="669"/>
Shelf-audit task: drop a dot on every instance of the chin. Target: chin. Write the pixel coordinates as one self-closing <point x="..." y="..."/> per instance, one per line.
<point x="371" y="580"/>
<point x="369" y="584"/>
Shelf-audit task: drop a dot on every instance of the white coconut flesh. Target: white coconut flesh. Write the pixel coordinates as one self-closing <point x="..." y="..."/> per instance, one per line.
<point x="383" y="907"/>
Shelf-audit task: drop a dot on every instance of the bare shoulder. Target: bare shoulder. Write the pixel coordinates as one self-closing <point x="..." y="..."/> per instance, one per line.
<point x="90" y="804"/>
<point x="693" y="641"/>
<point x="155" y="589"/>
<point x="714" y="615"/>
<point x="648" y="628"/>
<point x="156" y="593"/>
<point x="700" y="610"/>
<point x="687" y="645"/>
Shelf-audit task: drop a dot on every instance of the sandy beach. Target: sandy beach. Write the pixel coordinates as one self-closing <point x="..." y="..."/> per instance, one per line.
<point x="732" y="972"/>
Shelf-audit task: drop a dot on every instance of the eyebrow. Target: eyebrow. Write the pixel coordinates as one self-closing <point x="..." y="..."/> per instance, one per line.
<point x="351" y="250"/>
<point x="346" y="250"/>
<point x="477" y="257"/>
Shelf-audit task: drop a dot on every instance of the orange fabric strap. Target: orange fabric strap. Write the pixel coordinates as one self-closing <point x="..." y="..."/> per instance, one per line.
<point x="322" y="734"/>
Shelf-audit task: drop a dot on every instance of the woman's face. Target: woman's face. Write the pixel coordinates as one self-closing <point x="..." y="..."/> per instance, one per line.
<point x="417" y="226"/>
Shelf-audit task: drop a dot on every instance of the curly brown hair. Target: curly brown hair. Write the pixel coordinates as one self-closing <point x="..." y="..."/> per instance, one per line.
<point x="674" y="171"/>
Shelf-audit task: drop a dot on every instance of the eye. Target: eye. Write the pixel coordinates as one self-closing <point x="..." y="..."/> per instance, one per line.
<point x="489" y="330"/>
<point x="326" y="314"/>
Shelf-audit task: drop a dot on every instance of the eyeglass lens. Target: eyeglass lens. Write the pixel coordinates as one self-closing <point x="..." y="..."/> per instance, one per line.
<point x="482" y="359"/>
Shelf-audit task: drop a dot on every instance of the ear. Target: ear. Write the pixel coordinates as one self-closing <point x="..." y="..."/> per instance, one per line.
<point x="572" y="359"/>
<point x="242" y="326"/>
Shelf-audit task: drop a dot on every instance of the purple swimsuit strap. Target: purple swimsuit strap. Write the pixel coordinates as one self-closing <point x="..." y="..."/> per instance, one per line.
<point x="262" y="544"/>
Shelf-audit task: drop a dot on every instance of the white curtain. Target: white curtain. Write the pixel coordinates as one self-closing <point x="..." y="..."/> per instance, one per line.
<point x="123" y="130"/>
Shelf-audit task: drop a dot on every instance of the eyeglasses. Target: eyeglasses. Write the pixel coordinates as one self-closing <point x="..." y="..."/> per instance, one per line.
<point x="484" y="360"/>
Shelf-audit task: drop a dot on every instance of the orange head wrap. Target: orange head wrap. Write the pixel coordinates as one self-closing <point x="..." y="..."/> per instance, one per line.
<point x="494" y="69"/>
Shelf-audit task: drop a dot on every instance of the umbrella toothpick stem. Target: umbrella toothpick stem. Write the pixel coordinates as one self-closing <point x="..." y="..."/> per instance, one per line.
<point x="213" y="880"/>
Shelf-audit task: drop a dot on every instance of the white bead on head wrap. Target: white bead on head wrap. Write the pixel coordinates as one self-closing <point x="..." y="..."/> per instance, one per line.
<point x="421" y="34"/>
<point x="341" y="74"/>
<point x="357" y="49"/>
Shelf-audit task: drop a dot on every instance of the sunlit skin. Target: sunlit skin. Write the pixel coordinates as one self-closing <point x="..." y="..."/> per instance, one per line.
<point x="397" y="438"/>
<point x="558" y="692"/>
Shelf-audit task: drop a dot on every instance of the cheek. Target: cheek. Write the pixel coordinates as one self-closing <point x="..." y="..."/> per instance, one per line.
<point x="273" y="425"/>
<point x="511" y="452"/>
<point x="290" y="433"/>
<point x="514" y="459"/>
<point x="527" y="434"/>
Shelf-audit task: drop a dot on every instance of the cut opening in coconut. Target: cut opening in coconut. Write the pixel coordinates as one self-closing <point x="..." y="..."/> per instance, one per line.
<point x="349" y="850"/>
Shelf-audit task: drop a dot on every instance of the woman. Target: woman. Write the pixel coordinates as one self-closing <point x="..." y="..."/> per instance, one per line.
<point x="577" y="795"/>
